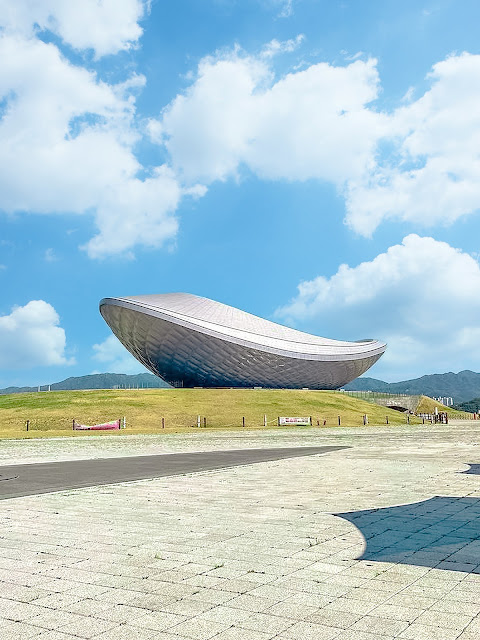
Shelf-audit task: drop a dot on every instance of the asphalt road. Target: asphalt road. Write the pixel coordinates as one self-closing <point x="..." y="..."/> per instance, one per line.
<point x="30" y="479"/>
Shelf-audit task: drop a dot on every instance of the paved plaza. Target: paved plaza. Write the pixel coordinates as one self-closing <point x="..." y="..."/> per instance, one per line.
<point x="377" y="540"/>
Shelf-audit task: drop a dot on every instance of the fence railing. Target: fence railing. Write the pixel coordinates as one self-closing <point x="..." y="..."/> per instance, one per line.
<point x="371" y="396"/>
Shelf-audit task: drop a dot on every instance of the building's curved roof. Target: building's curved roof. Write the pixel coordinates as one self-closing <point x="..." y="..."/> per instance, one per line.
<point x="235" y="326"/>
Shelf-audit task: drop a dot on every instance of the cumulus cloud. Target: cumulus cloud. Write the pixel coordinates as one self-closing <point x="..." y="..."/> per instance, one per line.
<point x="314" y="123"/>
<point x="106" y="26"/>
<point x="421" y="296"/>
<point x="67" y="146"/>
<point x="138" y="212"/>
<point x="115" y="358"/>
<point x="30" y="336"/>
<point x="418" y="163"/>
<point x="68" y="138"/>
<point x="431" y="174"/>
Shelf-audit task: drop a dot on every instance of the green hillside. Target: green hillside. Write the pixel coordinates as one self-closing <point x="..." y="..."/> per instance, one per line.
<point x="473" y="405"/>
<point x="51" y="413"/>
<point x="427" y="405"/>
<point x="98" y="381"/>
<point x="461" y="386"/>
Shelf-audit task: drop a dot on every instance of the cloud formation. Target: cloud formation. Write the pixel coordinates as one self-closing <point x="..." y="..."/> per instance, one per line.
<point x="30" y="336"/>
<point x="106" y="26"/>
<point x="431" y="174"/>
<point x="68" y="138"/>
<point x="419" y="163"/>
<point x="313" y="123"/>
<point x="421" y="296"/>
<point x="115" y="358"/>
<point x="67" y="141"/>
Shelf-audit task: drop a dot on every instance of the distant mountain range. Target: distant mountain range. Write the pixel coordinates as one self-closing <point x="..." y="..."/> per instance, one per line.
<point x="98" y="381"/>
<point x="461" y="386"/>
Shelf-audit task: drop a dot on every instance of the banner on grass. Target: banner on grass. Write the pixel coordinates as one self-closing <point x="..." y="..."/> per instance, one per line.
<point x="105" y="426"/>
<point x="299" y="422"/>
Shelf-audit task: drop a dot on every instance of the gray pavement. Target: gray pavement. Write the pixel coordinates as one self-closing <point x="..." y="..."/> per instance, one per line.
<point x="373" y="542"/>
<point x="29" y="479"/>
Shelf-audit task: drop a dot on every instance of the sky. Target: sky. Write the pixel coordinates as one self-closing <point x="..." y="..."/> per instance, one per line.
<point x="313" y="162"/>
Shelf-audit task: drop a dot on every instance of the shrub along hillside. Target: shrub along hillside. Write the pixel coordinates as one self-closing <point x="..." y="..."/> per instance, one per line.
<point x="51" y="413"/>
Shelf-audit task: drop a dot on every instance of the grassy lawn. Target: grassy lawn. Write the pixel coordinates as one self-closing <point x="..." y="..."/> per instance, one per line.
<point x="51" y="413"/>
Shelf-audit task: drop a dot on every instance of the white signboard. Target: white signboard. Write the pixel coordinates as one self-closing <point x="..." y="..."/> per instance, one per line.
<point x="302" y="422"/>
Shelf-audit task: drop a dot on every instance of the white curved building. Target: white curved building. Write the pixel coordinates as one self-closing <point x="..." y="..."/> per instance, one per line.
<point x="191" y="341"/>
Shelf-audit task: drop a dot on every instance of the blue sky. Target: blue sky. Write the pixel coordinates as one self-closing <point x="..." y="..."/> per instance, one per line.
<point x="313" y="162"/>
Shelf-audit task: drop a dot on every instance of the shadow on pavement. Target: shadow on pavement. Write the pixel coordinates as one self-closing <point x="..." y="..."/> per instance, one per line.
<point x="442" y="532"/>
<point x="474" y="469"/>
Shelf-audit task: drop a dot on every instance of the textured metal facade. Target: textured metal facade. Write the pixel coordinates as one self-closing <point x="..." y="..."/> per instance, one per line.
<point x="192" y="341"/>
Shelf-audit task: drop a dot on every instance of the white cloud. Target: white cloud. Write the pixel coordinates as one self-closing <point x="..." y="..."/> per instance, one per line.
<point x="137" y="213"/>
<point x="67" y="146"/>
<point x="30" y="336"/>
<point x="420" y="163"/>
<point x="116" y="359"/>
<point x="314" y="123"/>
<point x="50" y="255"/>
<point x="287" y="9"/>
<point x="432" y="173"/>
<point x="275" y="47"/>
<point x="106" y="26"/>
<point x="420" y="296"/>
<point x="68" y="139"/>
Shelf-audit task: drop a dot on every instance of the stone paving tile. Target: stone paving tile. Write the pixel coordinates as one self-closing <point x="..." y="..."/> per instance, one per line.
<point x="444" y="620"/>
<point x="348" y="634"/>
<point x="199" y="629"/>
<point x="187" y="607"/>
<point x="368" y="595"/>
<point x="151" y="601"/>
<point x="86" y="607"/>
<point x="265" y="623"/>
<point x="88" y="627"/>
<point x="417" y="631"/>
<point x="395" y="612"/>
<point x="128" y="632"/>
<point x="235" y="633"/>
<point x="455" y="606"/>
<point x="309" y="631"/>
<point x="310" y="599"/>
<point x="411" y="601"/>
<point x="291" y="610"/>
<point x="117" y="596"/>
<point x="468" y="635"/>
<point x="18" y="611"/>
<point x="271" y="592"/>
<point x="57" y="601"/>
<point x="21" y="593"/>
<point x="349" y="605"/>
<point x="379" y="625"/>
<point x="158" y="620"/>
<point x="122" y="613"/>
<point x="55" y="635"/>
<point x="226" y="615"/>
<point x="465" y="595"/>
<point x="248" y="602"/>
<point x="54" y="619"/>
<point x="176" y="591"/>
<point x="18" y="630"/>
<point x="332" y="618"/>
